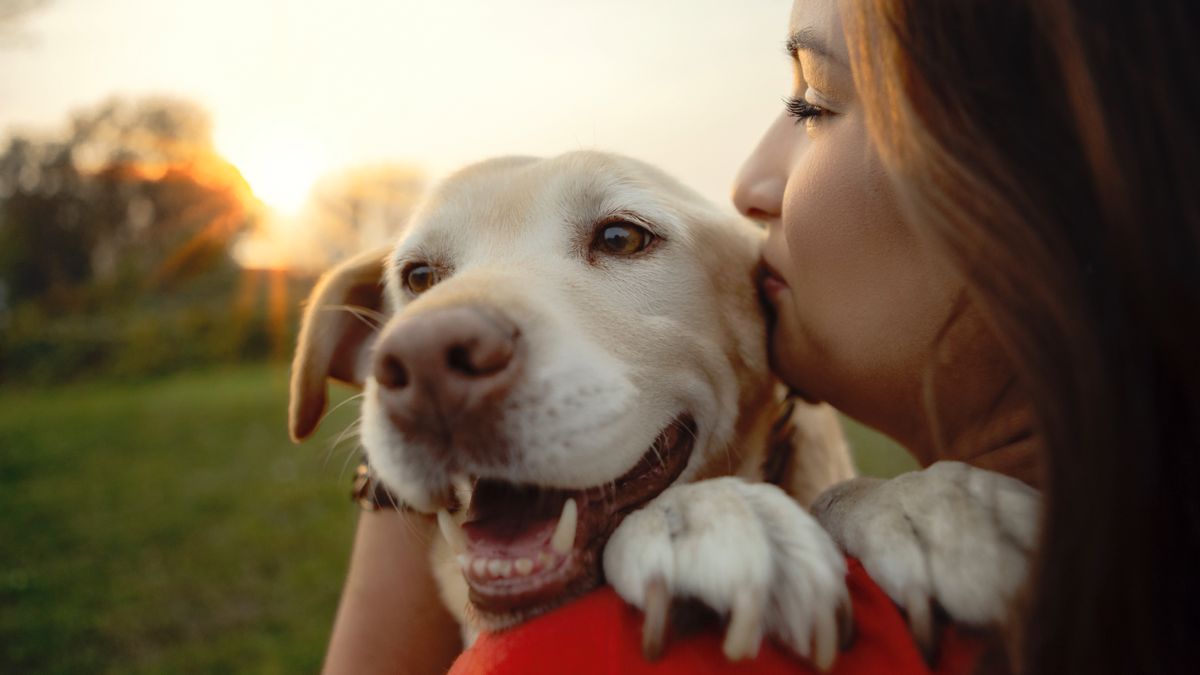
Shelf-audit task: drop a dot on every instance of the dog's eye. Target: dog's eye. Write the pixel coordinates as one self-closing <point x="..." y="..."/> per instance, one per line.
<point x="420" y="278"/>
<point x="622" y="238"/>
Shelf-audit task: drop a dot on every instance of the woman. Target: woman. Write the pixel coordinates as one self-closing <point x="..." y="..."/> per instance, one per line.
<point x="985" y="238"/>
<point x="1030" y="273"/>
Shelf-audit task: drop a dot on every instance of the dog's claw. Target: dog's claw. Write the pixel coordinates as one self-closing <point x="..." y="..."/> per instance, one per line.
<point x="845" y="618"/>
<point x="654" y="622"/>
<point x="747" y="552"/>
<point x="825" y="641"/>
<point x="970" y="529"/>
<point x="745" y="631"/>
<point x="920" y="621"/>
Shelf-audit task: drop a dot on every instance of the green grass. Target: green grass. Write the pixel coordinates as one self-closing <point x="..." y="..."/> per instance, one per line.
<point x="170" y="526"/>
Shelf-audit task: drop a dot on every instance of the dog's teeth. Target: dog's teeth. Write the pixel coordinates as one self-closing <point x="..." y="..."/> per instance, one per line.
<point x="479" y="566"/>
<point x="462" y="489"/>
<point x="464" y="560"/>
<point x="564" y="532"/>
<point x="451" y="531"/>
<point x="544" y="560"/>
<point x="494" y="567"/>
<point x="506" y="568"/>
<point x="523" y="566"/>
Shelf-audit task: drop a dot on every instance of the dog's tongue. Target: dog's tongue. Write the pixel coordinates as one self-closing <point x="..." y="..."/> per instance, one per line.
<point x="511" y="520"/>
<point x="505" y="540"/>
<point x="520" y="544"/>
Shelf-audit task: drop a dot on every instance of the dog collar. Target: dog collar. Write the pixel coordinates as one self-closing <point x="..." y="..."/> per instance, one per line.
<point x="370" y="494"/>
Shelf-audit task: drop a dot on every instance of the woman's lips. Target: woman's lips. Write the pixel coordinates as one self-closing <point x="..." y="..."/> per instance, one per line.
<point x="773" y="286"/>
<point x="772" y="283"/>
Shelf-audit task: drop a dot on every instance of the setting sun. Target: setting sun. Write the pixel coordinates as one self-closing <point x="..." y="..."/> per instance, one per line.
<point x="281" y="171"/>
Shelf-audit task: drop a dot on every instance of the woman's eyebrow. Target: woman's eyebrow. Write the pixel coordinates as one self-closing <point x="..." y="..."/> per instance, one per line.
<point x="809" y="40"/>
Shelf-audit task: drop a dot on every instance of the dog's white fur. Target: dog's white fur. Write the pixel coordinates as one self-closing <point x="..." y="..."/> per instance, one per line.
<point x="951" y="535"/>
<point x="617" y="348"/>
<point x="745" y="550"/>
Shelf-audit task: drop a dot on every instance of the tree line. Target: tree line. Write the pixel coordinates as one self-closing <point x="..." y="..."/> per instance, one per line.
<point x="116" y="240"/>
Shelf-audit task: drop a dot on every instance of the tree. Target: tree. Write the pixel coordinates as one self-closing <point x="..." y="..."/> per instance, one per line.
<point x="131" y="190"/>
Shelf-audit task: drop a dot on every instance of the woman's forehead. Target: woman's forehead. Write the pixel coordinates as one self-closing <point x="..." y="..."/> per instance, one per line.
<point x="819" y="22"/>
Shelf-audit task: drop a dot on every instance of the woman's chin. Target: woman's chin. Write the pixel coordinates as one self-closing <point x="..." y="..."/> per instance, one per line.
<point x="785" y="357"/>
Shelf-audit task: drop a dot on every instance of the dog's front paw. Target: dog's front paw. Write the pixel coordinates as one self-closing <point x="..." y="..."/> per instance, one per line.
<point x="951" y="534"/>
<point x="746" y="550"/>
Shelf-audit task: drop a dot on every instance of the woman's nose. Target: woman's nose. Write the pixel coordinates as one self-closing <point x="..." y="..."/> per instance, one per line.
<point x="759" y="196"/>
<point x="760" y="185"/>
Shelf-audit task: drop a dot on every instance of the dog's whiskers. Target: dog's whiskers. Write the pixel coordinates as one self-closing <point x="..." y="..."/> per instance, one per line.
<point x="691" y="431"/>
<point x="370" y="318"/>
<point x="727" y="450"/>
<point x="351" y="431"/>
<point x="353" y="453"/>
<point x="355" y="397"/>
<point x="353" y="426"/>
<point x="424" y="535"/>
<point x="687" y="428"/>
<point x="333" y="447"/>
<point x="662" y="461"/>
<point x="608" y="493"/>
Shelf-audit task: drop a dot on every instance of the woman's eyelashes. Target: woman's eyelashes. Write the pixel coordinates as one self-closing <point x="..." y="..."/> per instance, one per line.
<point x="803" y="110"/>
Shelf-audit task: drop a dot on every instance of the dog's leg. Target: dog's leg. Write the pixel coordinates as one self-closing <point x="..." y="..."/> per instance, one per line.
<point x="951" y="534"/>
<point x="748" y="551"/>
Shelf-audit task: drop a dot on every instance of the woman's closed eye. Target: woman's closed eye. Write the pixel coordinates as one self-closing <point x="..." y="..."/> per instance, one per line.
<point x="804" y="110"/>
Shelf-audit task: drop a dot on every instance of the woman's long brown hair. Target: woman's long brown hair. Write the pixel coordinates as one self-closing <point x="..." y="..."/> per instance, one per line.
<point x="1049" y="148"/>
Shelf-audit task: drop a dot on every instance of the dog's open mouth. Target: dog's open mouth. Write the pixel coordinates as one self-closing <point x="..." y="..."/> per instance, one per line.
<point x="525" y="549"/>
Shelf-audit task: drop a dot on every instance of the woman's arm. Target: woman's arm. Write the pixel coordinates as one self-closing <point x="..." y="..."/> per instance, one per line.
<point x="391" y="618"/>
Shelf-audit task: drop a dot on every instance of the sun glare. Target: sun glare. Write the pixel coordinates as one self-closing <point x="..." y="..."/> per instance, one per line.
<point x="281" y="172"/>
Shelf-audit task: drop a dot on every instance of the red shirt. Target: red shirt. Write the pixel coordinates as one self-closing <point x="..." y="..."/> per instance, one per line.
<point x="600" y="635"/>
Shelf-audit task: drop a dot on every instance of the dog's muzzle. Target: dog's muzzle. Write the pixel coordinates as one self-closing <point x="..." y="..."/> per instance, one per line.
<point x="441" y="368"/>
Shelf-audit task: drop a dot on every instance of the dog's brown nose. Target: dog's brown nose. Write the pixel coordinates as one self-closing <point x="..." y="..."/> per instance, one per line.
<point x="442" y="365"/>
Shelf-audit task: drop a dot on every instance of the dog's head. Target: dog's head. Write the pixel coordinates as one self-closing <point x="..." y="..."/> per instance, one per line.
<point x="550" y="344"/>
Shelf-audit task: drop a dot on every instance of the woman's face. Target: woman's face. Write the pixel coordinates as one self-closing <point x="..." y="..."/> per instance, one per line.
<point x="859" y="302"/>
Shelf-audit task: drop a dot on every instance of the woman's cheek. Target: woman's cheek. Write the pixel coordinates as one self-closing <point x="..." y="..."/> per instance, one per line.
<point x="861" y="308"/>
<point x="830" y="224"/>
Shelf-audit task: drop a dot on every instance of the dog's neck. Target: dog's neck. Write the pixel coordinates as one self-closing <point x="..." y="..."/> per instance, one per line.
<point x="781" y="445"/>
<point x="796" y="445"/>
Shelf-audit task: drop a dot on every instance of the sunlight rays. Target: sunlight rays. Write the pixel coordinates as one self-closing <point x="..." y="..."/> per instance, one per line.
<point x="281" y="169"/>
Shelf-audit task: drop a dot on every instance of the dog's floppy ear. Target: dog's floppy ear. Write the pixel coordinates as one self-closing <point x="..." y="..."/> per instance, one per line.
<point x="343" y="314"/>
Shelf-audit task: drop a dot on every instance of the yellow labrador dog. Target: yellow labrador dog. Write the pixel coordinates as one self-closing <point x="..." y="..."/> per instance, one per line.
<point x="570" y="370"/>
<point x="567" y="339"/>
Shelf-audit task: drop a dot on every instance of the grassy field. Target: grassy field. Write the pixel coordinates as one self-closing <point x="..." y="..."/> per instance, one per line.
<point x="167" y="526"/>
<point x="170" y="526"/>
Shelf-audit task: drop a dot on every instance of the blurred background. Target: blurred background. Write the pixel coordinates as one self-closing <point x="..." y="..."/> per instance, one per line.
<point x="172" y="177"/>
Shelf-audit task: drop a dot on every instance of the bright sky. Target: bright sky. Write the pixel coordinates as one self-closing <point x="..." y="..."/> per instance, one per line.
<point x="320" y="85"/>
<point x="687" y="84"/>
